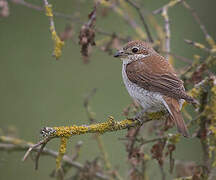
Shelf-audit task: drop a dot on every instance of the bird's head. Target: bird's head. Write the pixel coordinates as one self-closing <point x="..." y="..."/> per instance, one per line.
<point x="135" y="50"/>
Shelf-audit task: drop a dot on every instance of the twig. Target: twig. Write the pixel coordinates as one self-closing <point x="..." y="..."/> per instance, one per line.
<point x="97" y="136"/>
<point x="39" y="153"/>
<point x="9" y="146"/>
<point x="126" y="17"/>
<point x="197" y="45"/>
<point x="33" y="147"/>
<point x="122" y="38"/>
<point x="182" y="58"/>
<point x="164" y="12"/>
<point x="167" y="31"/>
<point x="143" y="141"/>
<point x="39" y="8"/>
<point x="163" y="174"/>
<point x="132" y="3"/>
<point x="209" y="39"/>
<point x="58" y="43"/>
<point x="166" y="6"/>
<point x="90" y="114"/>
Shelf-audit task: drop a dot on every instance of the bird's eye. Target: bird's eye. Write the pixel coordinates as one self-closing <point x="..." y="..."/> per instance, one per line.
<point x="135" y="50"/>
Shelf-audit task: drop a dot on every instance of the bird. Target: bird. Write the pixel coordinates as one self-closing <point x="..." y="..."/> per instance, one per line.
<point x="152" y="82"/>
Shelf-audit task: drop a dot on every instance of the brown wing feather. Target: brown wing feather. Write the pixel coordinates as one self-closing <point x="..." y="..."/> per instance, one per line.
<point x="175" y="115"/>
<point x="154" y="73"/>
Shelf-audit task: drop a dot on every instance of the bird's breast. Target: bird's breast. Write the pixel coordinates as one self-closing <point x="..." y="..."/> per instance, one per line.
<point x="150" y="101"/>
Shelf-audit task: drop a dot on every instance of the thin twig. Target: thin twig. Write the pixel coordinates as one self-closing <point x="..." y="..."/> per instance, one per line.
<point x="130" y="21"/>
<point x="197" y="45"/>
<point x="209" y="39"/>
<point x="33" y="147"/>
<point x="39" y="8"/>
<point x="67" y="159"/>
<point x="58" y="43"/>
<point x="163" y="174"/>
<point x="132" y="3"/>
<point x="100" y="143"/>
<point x="166" y="6"/>
<point x="164" y="12"/>
<point x="167" y="31"/>
<point x="39" y="153"/>
<point x="182" y="58"/>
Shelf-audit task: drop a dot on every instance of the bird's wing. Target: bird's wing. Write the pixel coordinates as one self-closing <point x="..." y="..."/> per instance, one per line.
<point x="154" y="73"/>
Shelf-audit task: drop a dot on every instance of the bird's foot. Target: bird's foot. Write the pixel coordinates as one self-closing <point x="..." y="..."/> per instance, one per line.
<point x="139" y="117"/>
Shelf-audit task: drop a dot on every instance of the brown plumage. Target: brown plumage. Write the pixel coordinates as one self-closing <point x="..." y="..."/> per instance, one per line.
<point x="150" y="71"/>
<point x="154" y="73"/>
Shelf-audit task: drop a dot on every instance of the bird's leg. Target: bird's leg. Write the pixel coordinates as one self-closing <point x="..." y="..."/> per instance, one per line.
<point x="139" y="115"/>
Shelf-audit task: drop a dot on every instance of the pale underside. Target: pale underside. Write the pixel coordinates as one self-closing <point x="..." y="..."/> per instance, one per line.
<point x="150" y="101"/>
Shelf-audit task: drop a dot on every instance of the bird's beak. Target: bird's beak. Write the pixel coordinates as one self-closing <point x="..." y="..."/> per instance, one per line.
<point x="119" y="53"/>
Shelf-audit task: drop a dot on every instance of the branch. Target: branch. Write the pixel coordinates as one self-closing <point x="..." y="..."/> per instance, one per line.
<point x="39" y="8"/>
<point x="126" y="17"/>
<point x="132" y="3"/>
<point x="197" y="45"/>
<point x="11" y="144"/>
<point x="182" y="58"/>
<point x="108" y="126"/>
<point x="65" y="132"/>
<point x="58" y="43"/>
<point x="209" y="39"/>
<point x="167" y="6"/>
<point x="167" y="31"/>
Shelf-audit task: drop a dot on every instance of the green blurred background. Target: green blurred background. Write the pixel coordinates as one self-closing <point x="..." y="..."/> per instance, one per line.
<point x="37" y="91"/>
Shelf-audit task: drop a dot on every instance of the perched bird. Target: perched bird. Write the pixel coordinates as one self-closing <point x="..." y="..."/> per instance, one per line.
<point x="152" y="82"/>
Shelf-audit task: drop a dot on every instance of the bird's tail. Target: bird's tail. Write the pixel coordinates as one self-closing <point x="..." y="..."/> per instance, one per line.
<point x="175" y="115"/>
<point x="180" y="124"/>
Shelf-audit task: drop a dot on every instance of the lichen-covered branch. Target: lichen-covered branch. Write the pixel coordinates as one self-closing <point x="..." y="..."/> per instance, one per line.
<point x="108" y="126"/>
<point x="58" y="43"/>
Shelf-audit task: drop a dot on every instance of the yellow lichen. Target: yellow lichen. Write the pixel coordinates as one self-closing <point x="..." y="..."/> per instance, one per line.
<point x="146" y="157"/>
<point x="184" y="178"/>
<point x="58" y="43"/>
<point x="199" y="45"/>
<point x="62" y="150"/>
<point x="48" y="9"/>
<point x="109" y="125"/>
<point x="173" y="3"/>
<point x="211" y="41"/>
<point x="156" y="115"/>
<point x="174" y="138"/>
